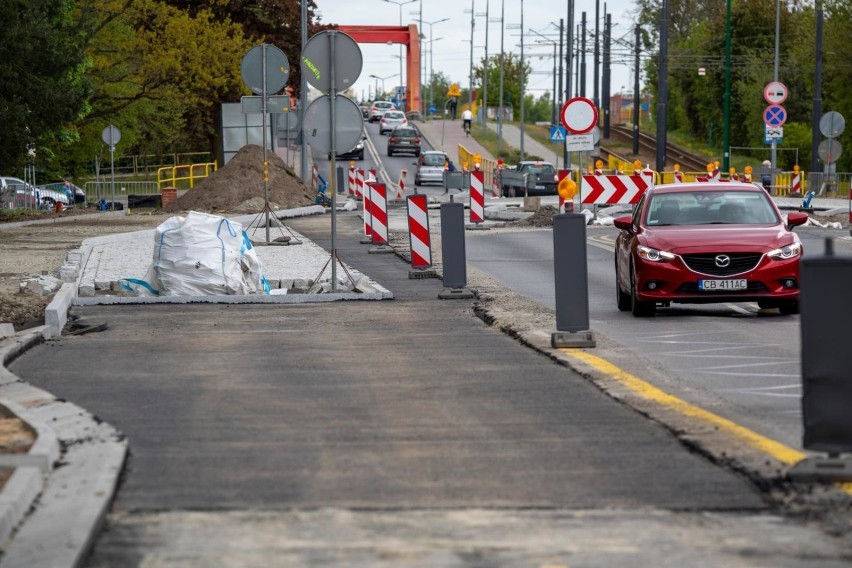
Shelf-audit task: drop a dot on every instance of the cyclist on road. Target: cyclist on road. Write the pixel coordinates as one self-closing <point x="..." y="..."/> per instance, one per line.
<point x="467" y="118"/>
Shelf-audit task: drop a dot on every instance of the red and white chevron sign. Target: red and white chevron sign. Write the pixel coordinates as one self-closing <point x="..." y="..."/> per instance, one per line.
<point x="477" y="197"/>
<point x="366" y="192"/>
<point x="612" y="189"/>
<point x="418" y="231"/>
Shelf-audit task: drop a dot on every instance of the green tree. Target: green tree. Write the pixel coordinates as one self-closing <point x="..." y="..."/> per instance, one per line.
<point x="511" y="80"/>
<point x="42" y="83"/>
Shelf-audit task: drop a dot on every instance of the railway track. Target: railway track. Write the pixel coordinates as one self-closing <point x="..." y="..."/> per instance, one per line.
<point x="688" y="161"/>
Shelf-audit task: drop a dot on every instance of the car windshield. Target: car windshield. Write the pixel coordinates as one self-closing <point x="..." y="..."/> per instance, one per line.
<point x="543" y="169"/>
<point x="711" y="207"/>
<point x="433" y="159"/>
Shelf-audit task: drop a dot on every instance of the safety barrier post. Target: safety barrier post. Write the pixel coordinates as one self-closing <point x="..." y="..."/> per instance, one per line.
<point x="359" y="184"/>
<point x="379" y="219"/>
<point x="678" y="175"/>
<point x="352" y="177"/>
<point x="367" y="213"/>
<point x="419" y="237"/>
<point x="796" y="183"/>
<point x="315" y="178"/>
<point x="400" y="185"/>
<point x="477" y="200"/>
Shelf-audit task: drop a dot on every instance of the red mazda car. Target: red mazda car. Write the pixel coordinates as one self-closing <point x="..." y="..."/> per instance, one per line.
<point x="707" y="242"/>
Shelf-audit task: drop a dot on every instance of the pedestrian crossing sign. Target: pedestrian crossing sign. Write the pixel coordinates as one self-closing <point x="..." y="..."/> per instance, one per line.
<point x="557" y="133"/>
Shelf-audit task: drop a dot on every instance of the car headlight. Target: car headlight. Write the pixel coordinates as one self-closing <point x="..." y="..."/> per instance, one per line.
<point x="654" y="255"/>
<point x="785" y="253"/>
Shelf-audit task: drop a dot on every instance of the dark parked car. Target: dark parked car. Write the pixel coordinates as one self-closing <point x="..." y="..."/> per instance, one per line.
<point x="707" y="242"/>
<point x="545" y="177"/>
<point x="356" y="153"/>
<point x="404" y="139"/>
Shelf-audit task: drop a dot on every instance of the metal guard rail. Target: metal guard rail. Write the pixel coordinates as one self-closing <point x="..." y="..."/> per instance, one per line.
<point x="184" y="176"/>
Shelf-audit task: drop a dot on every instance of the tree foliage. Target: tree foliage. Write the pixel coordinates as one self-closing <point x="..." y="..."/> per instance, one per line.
<point x="511" y="80"/>
<point x="42" y="76"/>
<point x="697" y="40"/>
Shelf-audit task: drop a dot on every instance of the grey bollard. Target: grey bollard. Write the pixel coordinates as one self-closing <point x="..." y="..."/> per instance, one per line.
<point x="454" y="259"/>
<point x="826" y="361"/>
<point x="571" y="281"/>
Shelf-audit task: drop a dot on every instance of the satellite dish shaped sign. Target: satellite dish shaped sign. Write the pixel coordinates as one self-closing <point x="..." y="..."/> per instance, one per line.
<point x="277" y="69"/>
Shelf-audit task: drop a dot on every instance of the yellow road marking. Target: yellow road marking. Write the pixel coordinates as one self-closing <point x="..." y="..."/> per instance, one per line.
<point x="777" y="450"/>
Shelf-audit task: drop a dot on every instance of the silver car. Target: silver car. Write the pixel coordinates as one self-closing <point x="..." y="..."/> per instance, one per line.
<point x="430" y="168"/>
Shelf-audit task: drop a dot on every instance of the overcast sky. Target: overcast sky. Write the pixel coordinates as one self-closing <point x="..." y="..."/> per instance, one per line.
<point x="451" y="53"/>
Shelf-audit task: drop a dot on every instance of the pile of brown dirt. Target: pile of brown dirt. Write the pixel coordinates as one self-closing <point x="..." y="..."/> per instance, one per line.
<point x="228" y="189"/>
<point x="541" y="218"/>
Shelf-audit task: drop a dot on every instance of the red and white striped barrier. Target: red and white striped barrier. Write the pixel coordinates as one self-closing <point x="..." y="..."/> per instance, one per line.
<point x="368" y="210"/>
<point x="418" y="231"/>
<point x="495" y="184"/>
<point x="379" y="213"/>
<point x="359" y="184"/>
<point x="315" y="177"/>
<point x="477" y="197"/>
<point x="678" y="176"/>
<point x="400" y="185"/>
<point x="352" y="181"/>
<point x="611" y="189"/>
<point x="796" y="183"/>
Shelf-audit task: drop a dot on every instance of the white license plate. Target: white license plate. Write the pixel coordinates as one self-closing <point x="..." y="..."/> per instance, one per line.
<point x="712" y="285"/>
<point x="539" y="187"/>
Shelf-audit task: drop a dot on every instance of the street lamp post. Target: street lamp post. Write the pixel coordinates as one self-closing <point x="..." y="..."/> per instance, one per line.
<point x="400" y="5"/>
<point x="432" y="70"/>
<point x="430" y="24"/>
<point x="382" y="79"/>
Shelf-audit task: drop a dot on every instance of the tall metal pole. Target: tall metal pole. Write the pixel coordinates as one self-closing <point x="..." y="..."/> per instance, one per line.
<point x="420" y="37"/>
<point x="485" y="70"/>
<point x="563" y="95"/>
<point x="502" y="55"/>
<point x="774" y="151"/>
<point x="521" y="149"/>
<point x="556" y="94"/>
<point x="607" y="74"/>
<point x="817" y="90"/>
<point x="561" y="98"/>
<point x="663" y="87"/>
<point x="264" y="110"/>
<point x="332" y="95"/>
<point x="470" y="73"/>
<point x="583" y="60"/>
<point x="577" y="62"/>
<point x="569" y="49"/>
<point x="303" y="97"/>
<point x="636" y="96"/>
<point x="597" y="55"/>
<point x="726" y="101"/>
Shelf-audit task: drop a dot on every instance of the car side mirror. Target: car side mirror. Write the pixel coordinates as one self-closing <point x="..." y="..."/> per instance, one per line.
<point x="796" y="218"/>
<point x="624" y="223"/>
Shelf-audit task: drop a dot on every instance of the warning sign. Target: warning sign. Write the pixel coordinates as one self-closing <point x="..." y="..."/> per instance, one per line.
<point x="454" y="90"/>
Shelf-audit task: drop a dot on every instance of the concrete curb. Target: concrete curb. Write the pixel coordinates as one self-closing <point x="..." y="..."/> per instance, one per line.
<point x="72" y="500"/>
<point x="57" y="220"/>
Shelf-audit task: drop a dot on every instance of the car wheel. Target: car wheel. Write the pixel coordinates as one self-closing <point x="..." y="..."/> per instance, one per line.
<point x="639" y="308"/>
<point x="390" y="153"/>
<point x="622" y="299"/>
<point x="789" y="308"/>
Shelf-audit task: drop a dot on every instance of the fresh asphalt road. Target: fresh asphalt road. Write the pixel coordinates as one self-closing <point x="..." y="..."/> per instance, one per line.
<point x="412" y="404"/>
<point x="733" y="358"/>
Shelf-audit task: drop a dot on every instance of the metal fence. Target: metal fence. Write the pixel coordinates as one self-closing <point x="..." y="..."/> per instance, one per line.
<point x="97" y="190"/>
<point x="148" y="164"/>
<point x="185" y="176"/>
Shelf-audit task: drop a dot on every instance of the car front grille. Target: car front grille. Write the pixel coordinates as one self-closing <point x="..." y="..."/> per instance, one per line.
<point x="706" y="263"/>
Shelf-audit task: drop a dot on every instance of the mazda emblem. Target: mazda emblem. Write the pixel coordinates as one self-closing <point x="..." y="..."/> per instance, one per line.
<point x="723" y="260"/>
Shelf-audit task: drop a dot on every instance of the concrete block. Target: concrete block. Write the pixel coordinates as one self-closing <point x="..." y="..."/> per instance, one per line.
<point x="6" y="330"/>
<point x="43" y="285"/>
<point x="69" y="272"/>
<point x="56" y="313"/>
<point x="532" y="204"/>
<point x="87" y="290"/>
<point x="101" y="285"/>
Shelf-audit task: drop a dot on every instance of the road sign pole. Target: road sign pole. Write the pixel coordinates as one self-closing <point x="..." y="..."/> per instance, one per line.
<point x="332" y="94"/>
<point x="263" y="111"/>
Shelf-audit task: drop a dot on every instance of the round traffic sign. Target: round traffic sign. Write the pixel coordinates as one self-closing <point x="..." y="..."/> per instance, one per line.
<point x="829" y="150"/>
<point x="111" y="135"/>
<point x="348" y="127"/>
<point x="317" y="60"/>
<point x="579" y="115"/>
<point x="832" y="124"/>
<point x="774" y="115"/>
<point x="775" y="93"/>
<point x="277" y="69"/>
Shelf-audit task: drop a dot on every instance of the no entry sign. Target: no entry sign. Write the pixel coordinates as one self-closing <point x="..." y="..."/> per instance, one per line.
<point x="579" y="115"/>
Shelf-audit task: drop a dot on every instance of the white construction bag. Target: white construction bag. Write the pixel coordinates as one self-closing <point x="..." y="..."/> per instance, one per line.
<point x="200" y="255"/>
